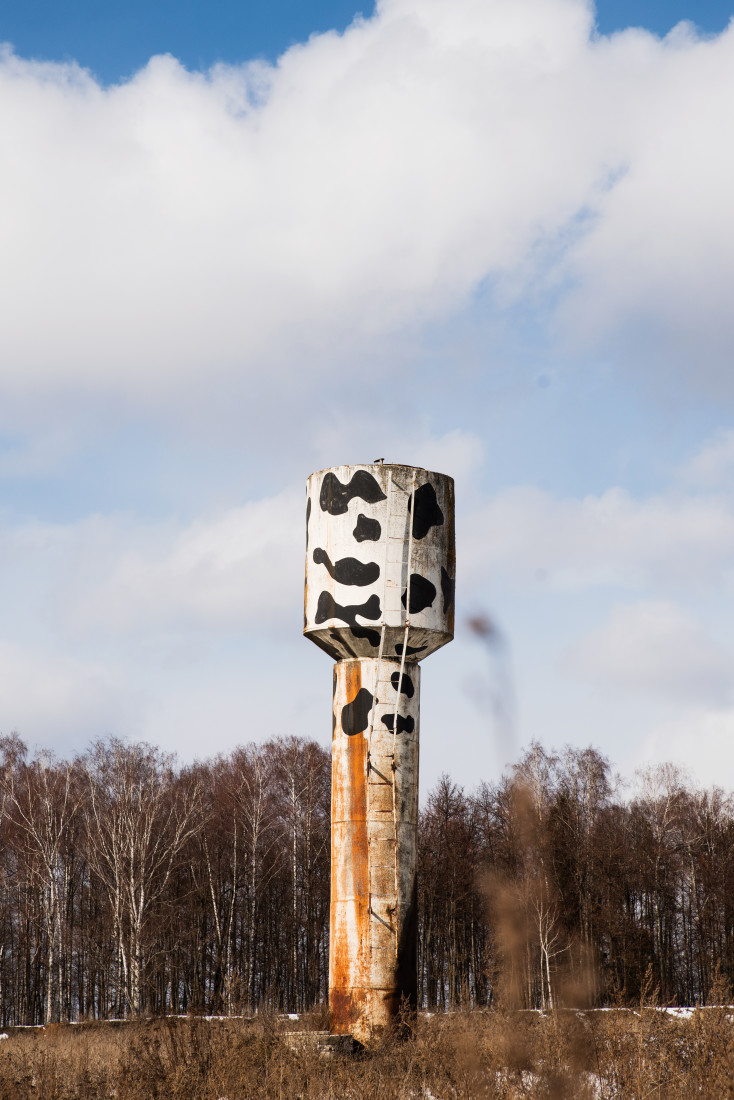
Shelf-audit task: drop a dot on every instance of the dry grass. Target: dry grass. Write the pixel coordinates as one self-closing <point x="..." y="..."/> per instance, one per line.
<point x="623" y="1054"/>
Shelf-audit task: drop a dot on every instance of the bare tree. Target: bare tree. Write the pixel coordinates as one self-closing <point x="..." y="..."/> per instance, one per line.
<point x="137" y="824"/>
<point x="127" y="884"/>
<point x="251" y="792"/>
<point x="300" y="771"/>
<point x="40" y="799"/>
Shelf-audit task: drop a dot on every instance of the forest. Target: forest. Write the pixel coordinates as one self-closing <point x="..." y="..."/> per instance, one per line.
<point x="132" y="886"/>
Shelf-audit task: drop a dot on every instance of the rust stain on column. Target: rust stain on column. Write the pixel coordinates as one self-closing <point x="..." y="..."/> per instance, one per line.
<point x="349" y="913"/>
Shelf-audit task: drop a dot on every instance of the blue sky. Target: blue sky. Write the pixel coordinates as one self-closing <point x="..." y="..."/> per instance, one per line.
<point x="492" y="237"/>
<point x="116" y="39"/>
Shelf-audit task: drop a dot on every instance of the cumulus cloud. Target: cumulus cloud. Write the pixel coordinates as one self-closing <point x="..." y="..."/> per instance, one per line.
<point x="459" y="453"/>
<point x="237" y="568"/>
<point x="272" y="241"/>
<point x="200" y="229"/>
<point x="654" y="647"/>
<point x="713" y="464"/>
<point x="113" y="576"/>
<point x="700" y="738"/>
<point x="62" y="700"/>
<point x="607" y="539"/>
<point x="652" y="274"/>
<point x="163" y="628"/>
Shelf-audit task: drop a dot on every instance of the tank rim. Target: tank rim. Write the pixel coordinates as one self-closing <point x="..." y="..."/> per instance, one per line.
<point x="378" y="466"/>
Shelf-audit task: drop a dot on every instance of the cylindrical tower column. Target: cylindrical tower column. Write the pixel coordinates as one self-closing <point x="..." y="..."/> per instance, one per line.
<point x="379" y="597"/>
<point x="374" y="839"/>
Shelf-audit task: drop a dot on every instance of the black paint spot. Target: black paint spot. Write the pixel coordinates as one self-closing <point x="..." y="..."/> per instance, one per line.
<point x="348" y="570"/>
<point x="356" y="715"/>
<point x="406" y="724"/>
<point x="448" y="587"/>
<point x="328" y="608"/>
<point x="372" y="637"/>
<point x="410" y="649"/>
<point x="407" y="685"/>
<point x="335" y="496"/>
<point x="427" y="512"/>
<point x="422" y="594"/>
<point x="367" y="530"/>
<point x="308" y="517"/>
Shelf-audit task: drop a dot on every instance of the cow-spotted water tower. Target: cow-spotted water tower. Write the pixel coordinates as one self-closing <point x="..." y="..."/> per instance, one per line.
<point x="379" y="597"/>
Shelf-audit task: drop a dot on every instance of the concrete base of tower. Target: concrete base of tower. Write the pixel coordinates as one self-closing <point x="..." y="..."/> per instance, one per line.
<point x="366" y="1014"/>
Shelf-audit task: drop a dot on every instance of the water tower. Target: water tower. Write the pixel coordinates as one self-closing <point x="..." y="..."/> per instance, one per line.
<point x="379" y="597"/>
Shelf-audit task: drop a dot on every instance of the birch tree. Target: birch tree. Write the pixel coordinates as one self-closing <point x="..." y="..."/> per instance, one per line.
<point x="303" y="799"/>
<point x="250" y="785"/>
<point x="138" y="820"/>
<point x="42" y="804"/>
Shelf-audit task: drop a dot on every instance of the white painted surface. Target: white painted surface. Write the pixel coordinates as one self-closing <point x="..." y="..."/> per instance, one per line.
<point x="402" y="551"/>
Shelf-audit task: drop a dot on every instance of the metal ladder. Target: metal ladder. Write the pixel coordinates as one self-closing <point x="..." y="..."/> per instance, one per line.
<point x="398" y="687"/>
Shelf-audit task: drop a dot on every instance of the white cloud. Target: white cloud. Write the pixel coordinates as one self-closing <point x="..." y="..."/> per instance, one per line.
<point x="701" y="739"/>
<point x="186" y="228"/>
<point x="62" y="701"/>
<point x="36" y="455"/>
<point x="459" y="453"/>
<point x="656" y="267"/>
<point x="126" y="624"/>
<point x="240" y="569"/>
<point x="114" y="577"/>
<point x="653" y="647"/>
<point x="609" y="539"/>
<point x="713" y="464"/>
<point x="272" y="241"/>
<point x="161" y="630"/>
<point x="235" y="571"/>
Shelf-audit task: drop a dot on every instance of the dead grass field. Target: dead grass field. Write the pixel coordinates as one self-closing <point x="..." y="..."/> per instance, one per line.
<point x="622" y="1054"/>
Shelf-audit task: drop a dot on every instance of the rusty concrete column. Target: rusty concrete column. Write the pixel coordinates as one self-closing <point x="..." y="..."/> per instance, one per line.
<point x="374" y="841"/>
<point x="379" y="597"/>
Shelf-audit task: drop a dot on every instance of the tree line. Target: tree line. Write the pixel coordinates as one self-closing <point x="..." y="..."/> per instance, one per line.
<point x="130" y="885"/>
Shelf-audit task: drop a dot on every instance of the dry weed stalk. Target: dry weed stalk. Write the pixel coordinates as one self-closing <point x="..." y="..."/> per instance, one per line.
<point x="498" y="1054"/>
